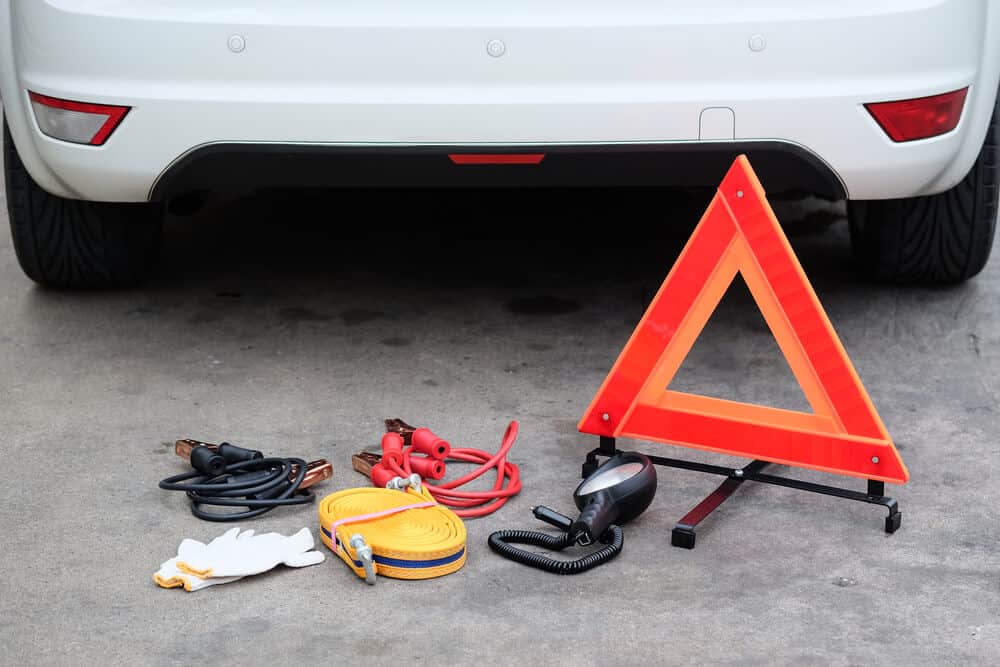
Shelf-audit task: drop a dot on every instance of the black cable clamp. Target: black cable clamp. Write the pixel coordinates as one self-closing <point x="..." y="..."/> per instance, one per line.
<point x="225" y="475"/>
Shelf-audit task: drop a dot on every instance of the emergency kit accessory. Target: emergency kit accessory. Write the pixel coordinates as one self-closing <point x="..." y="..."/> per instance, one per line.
<point x="407" y="450"/>
<point x="229" y="476"/>
<point x="234" y="555"/>
<point x="399" y="532"/>
<point x="170" y="576"/>
<point x="614" y="494"/>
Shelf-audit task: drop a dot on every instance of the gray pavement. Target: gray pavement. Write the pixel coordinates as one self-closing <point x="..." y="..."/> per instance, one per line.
<point x="269" y="327"/>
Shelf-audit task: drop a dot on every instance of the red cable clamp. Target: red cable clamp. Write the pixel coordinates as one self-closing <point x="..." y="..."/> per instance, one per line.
<point x="407" y="449"/>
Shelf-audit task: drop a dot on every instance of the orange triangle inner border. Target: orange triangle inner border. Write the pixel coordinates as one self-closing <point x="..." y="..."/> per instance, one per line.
<point x="739" y="233"/>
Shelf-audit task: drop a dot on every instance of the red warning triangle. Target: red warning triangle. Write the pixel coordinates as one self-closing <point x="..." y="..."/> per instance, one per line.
<point x="739" y="233"/>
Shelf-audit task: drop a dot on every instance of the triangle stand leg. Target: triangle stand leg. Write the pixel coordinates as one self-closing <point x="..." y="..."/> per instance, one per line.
<point x="684" y="535"/>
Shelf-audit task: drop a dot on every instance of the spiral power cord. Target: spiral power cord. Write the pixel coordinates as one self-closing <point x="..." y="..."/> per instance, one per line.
<point x="502" y="541"/>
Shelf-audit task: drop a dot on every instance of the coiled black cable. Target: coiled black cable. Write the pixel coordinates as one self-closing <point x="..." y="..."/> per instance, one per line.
<point x="260" y="485"/>
<point x="502" y="540"/>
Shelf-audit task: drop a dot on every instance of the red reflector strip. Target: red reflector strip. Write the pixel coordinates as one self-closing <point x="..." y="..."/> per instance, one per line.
<point x="496" y="158"/>
<point x="114" y="113"/>
<point x="919" y="118"/>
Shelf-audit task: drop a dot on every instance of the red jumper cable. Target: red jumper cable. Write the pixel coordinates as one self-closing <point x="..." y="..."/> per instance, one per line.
<point x="407" y="450"/>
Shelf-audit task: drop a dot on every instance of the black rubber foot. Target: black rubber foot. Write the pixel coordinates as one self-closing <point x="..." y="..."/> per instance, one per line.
<point x="893" y="521"/>
<point x="682" y="537"/>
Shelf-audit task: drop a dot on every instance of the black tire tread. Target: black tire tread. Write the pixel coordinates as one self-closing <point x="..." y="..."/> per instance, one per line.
<point x="937" y="239"/>
<point x="67" y="243"/>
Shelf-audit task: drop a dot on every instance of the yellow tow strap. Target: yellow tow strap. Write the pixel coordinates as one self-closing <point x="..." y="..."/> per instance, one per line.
<point x="409" y="534"/>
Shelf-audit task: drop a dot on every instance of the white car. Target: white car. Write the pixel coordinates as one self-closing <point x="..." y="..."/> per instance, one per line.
<point x="117" y="109"/>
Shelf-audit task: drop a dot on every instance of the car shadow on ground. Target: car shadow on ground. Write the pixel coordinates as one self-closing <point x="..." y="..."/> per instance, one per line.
<point x="469" y="237"/>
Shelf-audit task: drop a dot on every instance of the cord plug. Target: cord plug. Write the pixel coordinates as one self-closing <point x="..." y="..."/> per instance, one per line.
<point x="550" y="516"/>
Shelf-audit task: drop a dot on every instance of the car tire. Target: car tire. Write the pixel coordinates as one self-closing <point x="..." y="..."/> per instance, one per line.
<point x="938" y="239"/>
<point x="66" y="243"/>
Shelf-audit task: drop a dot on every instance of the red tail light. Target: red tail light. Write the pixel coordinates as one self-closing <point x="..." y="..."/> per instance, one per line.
<point x="920" y="118"/>
<point x="496" y="158"/>
<point x="77" y="122"/>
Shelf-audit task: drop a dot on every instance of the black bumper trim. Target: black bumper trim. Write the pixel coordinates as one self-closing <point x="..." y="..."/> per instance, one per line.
<point x="781" y="167"/>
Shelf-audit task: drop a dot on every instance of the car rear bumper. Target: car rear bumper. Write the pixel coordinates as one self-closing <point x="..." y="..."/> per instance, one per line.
<point x="782" y="167"/>
<point x="389" y="74"/>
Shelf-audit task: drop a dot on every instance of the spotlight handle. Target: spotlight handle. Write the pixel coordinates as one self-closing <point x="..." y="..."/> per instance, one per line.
<point x="595" y="518"/>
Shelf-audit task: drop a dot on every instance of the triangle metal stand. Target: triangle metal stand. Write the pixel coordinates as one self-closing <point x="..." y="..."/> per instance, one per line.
<point x="683" y="534"/>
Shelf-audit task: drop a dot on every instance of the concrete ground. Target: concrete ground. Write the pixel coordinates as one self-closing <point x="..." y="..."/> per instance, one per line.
<point x="269" y="327"/>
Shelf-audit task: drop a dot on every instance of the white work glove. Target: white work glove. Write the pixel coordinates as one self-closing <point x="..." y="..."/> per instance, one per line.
<point x="168" y="576"/>
<point x="241" y="555"/>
